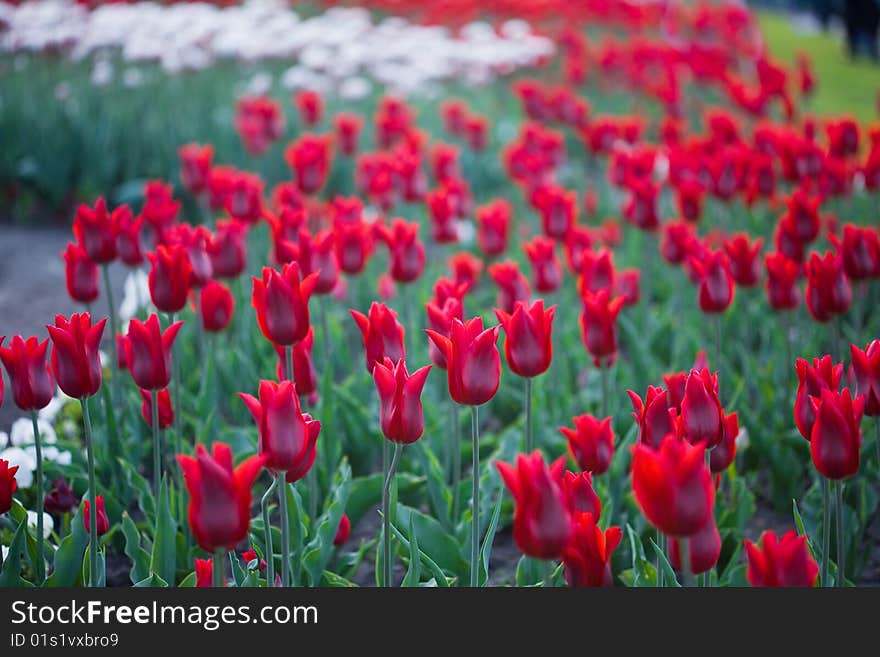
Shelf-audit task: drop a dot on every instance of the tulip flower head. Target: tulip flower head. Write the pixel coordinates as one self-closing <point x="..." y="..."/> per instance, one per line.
<point x="473" y="364"/>
<point x="587" y="557"/>
<point x="701" y="411"/>
<point x="780" y="562"/>
<point x="216" y="307"/>
<point x="170" y="277"/>
<point x="8" y="485"/>
<point x="823" y="374"/>
<point x="76" y="363"/>
<point x="528" y="346"/>
<point x="598" y="326"/>
<point x="836" y="437"/>
<point x="866" y="367"/>
<point x="96" y="229"/>
<point x="704" y="548"/>
<point x="400" y="404"/>
<point x="148" y="352"/>
<point x="101" y="514"/>
<point x="591" y="443"/>
<point x="81" y="274"/>
<point x="25" y="362"/>
<point x="166" y="410"/>
<point x="382" y="334"/>
<point x="281" y="301"/>
<point x="652" y="415"/>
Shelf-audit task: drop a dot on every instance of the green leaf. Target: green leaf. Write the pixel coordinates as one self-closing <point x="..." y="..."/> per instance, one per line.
<point x="439" y="494"/>
<point x="140" y="558"/>
<point x="433" y="540"/>
<point x="10" y="575"/>
<point x="643" y="572"/>
<point x="163" y="561"/>
<point x="366" y="492"/>
<point x="439" y="577"/>
<point x="799" y="523"/>
<point x="102" y="567"/>
<point x="486" y="549"/>
<point x="414" y="571"/>
<point x="298" y="522"/>
<point x="69" y="555"/>
<point x="333" y="580"/>
<point x="142" y="487"/>
<point x="668" y="570"/>
<point x="528" y="572"/>
<point x="317" y="553"/>
<point x="154" y="581"/>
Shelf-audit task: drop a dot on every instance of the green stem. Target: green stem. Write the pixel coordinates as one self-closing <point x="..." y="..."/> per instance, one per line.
<point x="93" y="505"/>
<point x="456" y="461"/>
<point x="475" y="501"/>
<point x="218" y="570"/>
<point x="200" y="330"/>
<point x="114" y="378"/>
<point x="548" y="574"/>
<point x="789" y="363"/>
<point x="157" y="444"/>
<point x="528" y="404"/>
<point x="717" y="363"/>
<point x="281" y="487"/>
<point x="826" y="529"/>
<point x="325" y="333"/>
<point x="267" y="535"/>
<point x="661" y="543"/>
<point x="685" y="554"/>
<point x="38" y="449"/>
<point x="288" y="362"/>
<point x="877" y="442"/>
<point x="841" y="552"/>
<point x="603" y="374"/>
<point x="386" y="516"/>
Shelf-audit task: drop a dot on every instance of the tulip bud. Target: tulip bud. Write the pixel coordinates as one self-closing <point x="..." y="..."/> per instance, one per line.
<point x="591" y="443"/>
<point x="780" y="562"/>
<point x="216" y="306"/>
<point x="281" y="302"/>
<point x="382" y="334"/>
<point x="400" y="404"/>
<point x="101" y="513"/>
<point x="81" y="274"/>
<point x="528" y="346"/>
<point x="836" y="437"/>
<point x="473" y="364"/>
<point x="76" y="363"/>
<point x="166" y="411"/>
<point x="25" y="362"/>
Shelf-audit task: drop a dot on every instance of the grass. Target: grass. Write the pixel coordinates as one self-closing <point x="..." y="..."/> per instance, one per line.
<point x="845" y="86"/>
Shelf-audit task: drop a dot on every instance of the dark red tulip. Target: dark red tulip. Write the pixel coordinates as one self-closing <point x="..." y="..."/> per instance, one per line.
<point x="724" y="452"/>
<point x="315" y="253"/>
<point x="512" y="284"/>
<point x="251" y="555"/>
<point x="780" y="562"/>
<point x="445" y="163"/>
<point x="81" y="274"/>
<point x="493" y="227"/>
<point x="597" y="271"/>
<point x="628" y="285"/>
<point x="591" y="443"/>
<point x="781" y="285"/>
<point x="860" y="250"/>
<point x="166" y="410"/>
<point x="304" y="375"/>
<point x="579" y="492"/>
<point x="288" y="437"/>
<point x="195" y="166"/>
<point x="382" y="334"/>
<point x="546" y="268"/>
<point x="220" y="495"/>
<point x="160" y="209"/>
<point x="204" y="573"/>
<point x="310" y="106"/>
<point x="400" y="403"/>
<point x="243" y="198"/>
<point x="76" y="363"/>
<point x="96" y="229"/>
<point x="169" y="278"/>
<point x="528" y="346"/>
<point x="149" y="352"/>
<point x="704" y="548"/>
<point x="587" y="557"/>
<point x="282" y="303"/>
<point x="701" y="411"/>
<point x="465" y="269"/>
<point x="675" y="383"/>
<point x="348" y="130"/>
<point x="128" y="241"/>
<point x="60" y="499"/>
<point x="828" y="290"/>
<point x="309" y="159"/>
<point x="866" y="367"/>
<point x="742" y="254"/>
<point x="228" y="249"/>
<point x="836" y="436"/>
<point x="25" y="362"/>
<point x="406" y="250"/>
<point x="444" y="224"/>
<point x="8" y="485"/>
<point x="652" y="416"/>
<point x="716" y="286"/>
<point x="598" y="326"/>
<point x="343" y="532"/>
<point x="689" y="199"/>
<point x="558" y="208"/>
<point x="677" y="241"/>
<point x="823" y="374"/>
<point x="473" y="364"/>
<point x="673" y="486"/>
<point x="101" y="515"/>
<point x="259" y="122"/>
<point x="542" y="523"/>
<point x="195" y="239"/>
<point x="216" y="307"/>
<point x="353" y="242"/>
<point x="440" y="318"/>
<point x="578" y="241"/>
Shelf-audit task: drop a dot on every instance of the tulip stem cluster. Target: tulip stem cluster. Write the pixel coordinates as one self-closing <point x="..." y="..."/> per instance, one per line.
<point x="281" y="485"/>
<point x="93" y="506"/>
<point x="475" y="502"/>
<point x="267" y="534"/>
<point x="38" y="453"/>
<point x="386" y="515"/>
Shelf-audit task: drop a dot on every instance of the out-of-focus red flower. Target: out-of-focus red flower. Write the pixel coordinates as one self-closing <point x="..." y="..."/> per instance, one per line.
<point x="348" y="131"/>
<point x="512" y="284"/>
<point x="578" y="242"/>
<point x="25" y="362"/>
<point x="473" y="364"/>
<point x="745" y="265"/>
<point x="169" y="277"/>
<point x="689" y="199"/>
<point x="59" y="500"/>
<point x="259" y="122"/>
<point x="281" y="301"/>
<point x="676" y="242"/>
<point x="406" y="250"/>
<point x="76" y="363"/>
<point x="80" y="273"/>
<point x="587" y="557"/>
<point x="802" y="220"/>
<point x="652" y="415"/>
<point x="251" y="555"/>
<point x="780" y="562"/>
<point x="716" y="285"/>
<point x="724" y="452"/>
<point x="216" y="307"/>
<point x="204" y="573"/>
<point x="704" y="548"/>
<point x="96" y="230"/>
<point x="476" y="131"/>
<point x="599" y="326"/>
<point x="860" y="250"/>
<point x="628" y="285"/>
<point x="243" y="196"/>
<point x="343" y="532"/>
<point x="304" y="375"/>
<point x="836" y="436"/>
<point x="673" y="486"/>
<point x="352" y="237"/>
<point x="558" y="208"/>
<point x="701" y="411"/>
<point x="228" y="249"/>
<point x="8" y="485"/>
<point x="866" y="367"/>
<point x="220" y="495"/>
<point x="528" y="346"/>
<point x="542" y="523"/>
<point x="148" y="352"/>
<point x="591" y="443"/>
<point x="309" y="159"/>
<point x="195" y="240"/>
<point x="781" y="284"/>
<point x="288" y="437"/>
<point x="445" y="163"/>
<point x="493" y="227"/>
<point x="160" y="209"/>
<point x="828" y="290"/>
<point x="128" y="240"/>
<point x="383" y="335"/>
<point x="465" y="269"/>
<point x="400" y="400"/>
<point x="101" y="516"/>
<point x="315" y="253"/>
<point x="310" y="106"/>
<point x="166" y="410"/>
<point x="195" y="166"/>
<point x="546" y="268"/>
<point x="823" y="374"/>
<point x="596" y="271"/>
<point x="444" y="225"/>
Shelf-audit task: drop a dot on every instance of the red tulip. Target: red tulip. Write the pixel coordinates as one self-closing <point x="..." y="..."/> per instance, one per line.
<point x="473" y="364"/>
<point x="465" y="269"/>
<point x="542" y="523"/>
<point x="440" y="320"/>
<point x="288" y="437"/>
<point x="309" y="159"/>
<point x="251" y="555"/>
<point x="195" y="240"/>
<point x="81" y="274"/>
<point x="282" y="303"/>
<point x="781" y="285"/>
<point x="866" y="367"/>
<point x="598" y="326"/>
<point x="166" y="410"/>
<point x="445" y="162"/>
<point x="591" y="443"/>
<point x="780" y="562"/>
<point x="216" y="306"/>
<point x="596" y="272"/>
<point x="343" y="532"/>
<point x="148" y="352"/>
<point x="493" y="227"/>
<point x="701" y="411"/>
<point x="578" y="242"/>
<point x="259" y="122"/>
<point x="310" y="106"/>
<point x="558" y="208"/>
<point x="128" y="241"/>
<point x="348" y="130"/>
<point x="406" y="250"/>
<point x="101" y="515"/>
<point x="724" y="452"/>
<point x="353" y="243"/>
<point x="220" y="496"/>
<point x="8" y="485"/>
<point x="476" y="132"/>
<point x="716" y="286"/>
<point x="243" y="198"/>
<point x="689" y="200"/>
<point x="677" y="241"/>
<point x="59" y="500"/>
<point x="204" y="573"/>
<point x="704" y="548"/>
<point x="160" y="209"/>
<point x="25" y="362"/>
<point x="836" y="436"/>
<point x="228" y="249"/>
<point x="529" y="345"/>
<point x="96" y="229"/>
<point x="303" y="368"/>
<point x="587" y="557"/>
<point x="400" y="404"/>
<point x="652" y="416"/>
<point x="512" y="285"/>
<point x="546" y="269"/>
<point x="441" y="206"/>
<point x="860" y="250"/>
<point x="579" y="493"/>
<point x="828" y="290"/>
<point x="743" y="258"/>
<point x="382" y="334"/>
<point x="169" y="278"/>
<point x="628" y="286"/>
<point x="195" y="166"/>
<point x="812" y="380"/>
<point x="673" y="486"/>
<point x="316" y="254"/>
<point x="76" y="363"/>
